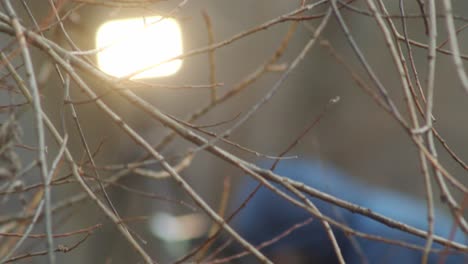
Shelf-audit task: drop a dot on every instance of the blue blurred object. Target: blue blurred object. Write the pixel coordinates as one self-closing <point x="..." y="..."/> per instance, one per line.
<point x="267" y="215"/>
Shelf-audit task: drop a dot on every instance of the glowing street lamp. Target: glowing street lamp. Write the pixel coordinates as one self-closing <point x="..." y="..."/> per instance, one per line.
<point x="130" y="45"/>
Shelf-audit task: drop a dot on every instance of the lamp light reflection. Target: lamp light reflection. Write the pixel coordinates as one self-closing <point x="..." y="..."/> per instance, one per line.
<point x="178" y="228"/>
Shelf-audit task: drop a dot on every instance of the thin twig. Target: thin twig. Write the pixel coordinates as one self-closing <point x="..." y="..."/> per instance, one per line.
<point x="211" y="54"/>
<point x="36" y="102"/>
<point x="275" y="87"/>
<point x="453" y="42"/>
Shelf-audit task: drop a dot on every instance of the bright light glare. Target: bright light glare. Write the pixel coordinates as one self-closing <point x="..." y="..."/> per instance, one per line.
<point x="132" y="45"/>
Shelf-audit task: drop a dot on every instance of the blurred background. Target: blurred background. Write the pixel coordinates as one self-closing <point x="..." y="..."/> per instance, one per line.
<point x="354" y="134"/>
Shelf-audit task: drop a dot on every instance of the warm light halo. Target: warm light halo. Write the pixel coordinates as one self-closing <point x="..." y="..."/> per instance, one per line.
<point x="130" y="45"/>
